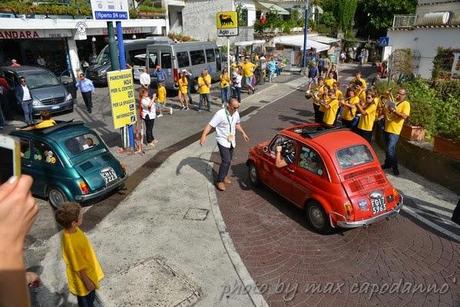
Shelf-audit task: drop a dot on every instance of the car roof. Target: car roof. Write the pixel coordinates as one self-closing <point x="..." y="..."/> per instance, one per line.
<point x="331" y="139"/>
<point x="61" y="131"/>
<point x="24" y="69"/>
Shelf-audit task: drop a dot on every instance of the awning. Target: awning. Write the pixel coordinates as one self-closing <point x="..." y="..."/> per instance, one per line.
<point x="297" y="41"/>
<point x="265" y="6"/>
<point x="323" y="39"/>
<point x="249" y="43"/>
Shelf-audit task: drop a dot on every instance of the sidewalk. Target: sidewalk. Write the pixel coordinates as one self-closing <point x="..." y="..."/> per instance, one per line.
<point x="166" y="244"/>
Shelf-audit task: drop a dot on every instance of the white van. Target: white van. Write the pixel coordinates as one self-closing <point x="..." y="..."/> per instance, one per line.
<point x="193" y="56"/>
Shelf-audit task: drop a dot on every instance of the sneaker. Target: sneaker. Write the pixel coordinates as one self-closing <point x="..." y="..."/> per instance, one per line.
<point x="220" y="186"/>
<point x="253" y="90"/>
<point x="155" y="141"/>
<point x="160" y="115"/>
<point x="227" y="180"/>
<point x="199" y="111"/>
<point x="170" y="110"/>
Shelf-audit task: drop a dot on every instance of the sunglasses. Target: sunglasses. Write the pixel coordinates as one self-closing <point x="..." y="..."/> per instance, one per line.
<point x="369" y="97"/>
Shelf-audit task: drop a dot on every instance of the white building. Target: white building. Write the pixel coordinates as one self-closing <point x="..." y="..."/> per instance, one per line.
<point x="436" y="24"/>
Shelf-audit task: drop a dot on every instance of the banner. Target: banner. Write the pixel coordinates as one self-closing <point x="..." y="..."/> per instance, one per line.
<point x="121" y="89"/>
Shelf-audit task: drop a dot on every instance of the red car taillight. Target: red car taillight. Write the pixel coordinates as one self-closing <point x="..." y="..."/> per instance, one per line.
<point x="84" y="187"/>
<point x="348" y="210"/>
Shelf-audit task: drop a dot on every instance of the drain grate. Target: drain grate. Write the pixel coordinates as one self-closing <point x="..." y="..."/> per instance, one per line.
<point x="196" y="214"/>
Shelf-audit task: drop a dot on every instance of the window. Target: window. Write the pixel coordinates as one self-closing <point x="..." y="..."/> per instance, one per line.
<point x="139" y="60"/>
<point x="25" y="149"/>
<point x="311" y="161"/>
<point x="153" y="60"/>
<point x="283" y="141"/>
<point x="353" y="156"/>
<point x="244" y="17"/>
<point x="43" y="153"/>
<point x="79" y="144"/>
<point x="197" y="57"/>
<point x="136" y="57"/>
<point x="210" y="57"/>
<point x="166" y="60"/>
<point x="182" y="59"/>
<point x="179" y="18"/>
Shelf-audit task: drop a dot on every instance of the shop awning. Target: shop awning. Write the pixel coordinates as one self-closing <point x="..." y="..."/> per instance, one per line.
<point x="265" y="6"/>
<point x="297" y="41"/>
<point x="323" y="39"/>
<point x="250" y="43"/>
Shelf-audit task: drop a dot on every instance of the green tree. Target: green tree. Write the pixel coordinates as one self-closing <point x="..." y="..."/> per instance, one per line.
<point x="346" y="10"/>
<point x="375" y="17"/>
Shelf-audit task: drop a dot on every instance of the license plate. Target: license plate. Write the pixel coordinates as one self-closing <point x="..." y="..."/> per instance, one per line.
<point x="55" y="108"/>
<point x="378" y="204"/>
<point x="109" y="175"/>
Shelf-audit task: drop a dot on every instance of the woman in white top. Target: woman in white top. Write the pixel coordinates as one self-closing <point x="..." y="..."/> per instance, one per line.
<point x="148" y="114"/>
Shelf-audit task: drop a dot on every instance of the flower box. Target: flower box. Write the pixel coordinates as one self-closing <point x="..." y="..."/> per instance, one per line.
<point x="413" y="133"/>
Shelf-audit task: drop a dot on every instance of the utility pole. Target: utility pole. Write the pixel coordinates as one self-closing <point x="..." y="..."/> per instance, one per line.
<point x="305" y="30"/>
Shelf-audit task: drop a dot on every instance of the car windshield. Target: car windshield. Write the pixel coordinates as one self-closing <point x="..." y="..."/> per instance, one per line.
<point x="104" y="57"/>
<point x="353" y="156"/>
<point x="78" y="144"/>
<point x="41" y="79"/>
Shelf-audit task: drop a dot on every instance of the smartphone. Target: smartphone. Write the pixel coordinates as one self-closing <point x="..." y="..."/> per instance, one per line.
<point x="10" y="158"/>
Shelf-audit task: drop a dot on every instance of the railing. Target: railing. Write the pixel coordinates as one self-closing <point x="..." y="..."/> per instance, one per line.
<point x="404" y="21"/>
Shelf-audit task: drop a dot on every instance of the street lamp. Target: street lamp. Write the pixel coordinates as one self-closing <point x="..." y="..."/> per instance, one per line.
<point x="93" y="45"/>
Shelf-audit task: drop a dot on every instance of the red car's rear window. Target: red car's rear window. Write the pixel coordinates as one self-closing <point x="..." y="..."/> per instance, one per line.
<point x="353" y="156"/>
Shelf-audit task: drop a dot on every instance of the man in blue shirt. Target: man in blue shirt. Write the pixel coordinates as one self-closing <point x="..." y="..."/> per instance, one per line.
<point x="86" y="88"/>
<point x="159" y="75"/>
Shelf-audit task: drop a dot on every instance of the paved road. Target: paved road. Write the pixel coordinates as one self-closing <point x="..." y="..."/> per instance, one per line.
<point x="294" y="266"/>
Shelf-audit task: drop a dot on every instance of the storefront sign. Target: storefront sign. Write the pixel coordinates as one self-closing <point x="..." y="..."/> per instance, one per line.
<point x="227" y="23"/>
<point x="110" y="10"/>
<point x="34" y="34"/>
<point x="121" y="89"/>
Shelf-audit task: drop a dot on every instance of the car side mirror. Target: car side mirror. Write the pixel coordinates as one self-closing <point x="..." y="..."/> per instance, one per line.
<point x="265" y="149"/>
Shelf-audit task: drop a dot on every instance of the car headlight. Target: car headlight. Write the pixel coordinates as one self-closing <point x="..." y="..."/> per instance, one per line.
<point x="68" y="97"/>
<point x="36" y="102"/>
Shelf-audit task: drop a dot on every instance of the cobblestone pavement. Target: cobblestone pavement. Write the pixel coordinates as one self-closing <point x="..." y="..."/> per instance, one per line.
<point x="393" y="263"/>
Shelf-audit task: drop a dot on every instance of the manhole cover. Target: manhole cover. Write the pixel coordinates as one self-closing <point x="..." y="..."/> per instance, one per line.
<point x="196" y="214"/>
<point x="156" y="284"/>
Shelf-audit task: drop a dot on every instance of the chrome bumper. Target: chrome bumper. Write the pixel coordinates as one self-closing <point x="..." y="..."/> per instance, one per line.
<point x="88" y="197"/>
<point x="372" y="220"/>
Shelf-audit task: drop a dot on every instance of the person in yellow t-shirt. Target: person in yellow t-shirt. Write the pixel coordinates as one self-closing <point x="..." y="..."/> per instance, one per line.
<point x="183" y="90"/>
<point x="224" y="86"/>
<point x="349" y="109"/>
<point x="359" y="79"/>
<point x="395" y="115"/>
<point x="366" y="121"/>
<point x="46" y="122"/>
<point x="204" y="88"/>
<point x="84" y="273"/>
<point x="332" y="106"/>
<point x="248" y="74"/>
<point x="161" y="100"/>
<point x="318" y="92"/>
<point x="330" y="81"/>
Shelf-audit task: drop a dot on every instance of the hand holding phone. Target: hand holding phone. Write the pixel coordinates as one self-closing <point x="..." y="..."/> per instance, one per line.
<point x="10" y="159"/>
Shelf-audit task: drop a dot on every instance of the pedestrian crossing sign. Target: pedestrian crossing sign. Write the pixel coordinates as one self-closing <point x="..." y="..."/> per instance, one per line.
<point x="227" y="23"/>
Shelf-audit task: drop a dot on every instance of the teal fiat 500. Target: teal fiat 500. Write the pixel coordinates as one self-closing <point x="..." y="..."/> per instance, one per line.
<point x="69" y="162"/>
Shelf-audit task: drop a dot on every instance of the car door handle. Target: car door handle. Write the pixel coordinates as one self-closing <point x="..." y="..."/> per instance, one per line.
<point x="27" y="164"/>
<point x="290" y="170"/>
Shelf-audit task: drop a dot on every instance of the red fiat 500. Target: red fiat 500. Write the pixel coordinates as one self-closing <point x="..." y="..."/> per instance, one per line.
<point x="333" y="173"/>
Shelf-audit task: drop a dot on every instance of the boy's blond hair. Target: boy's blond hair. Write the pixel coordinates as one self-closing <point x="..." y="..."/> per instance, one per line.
<point x="67" y="213"/>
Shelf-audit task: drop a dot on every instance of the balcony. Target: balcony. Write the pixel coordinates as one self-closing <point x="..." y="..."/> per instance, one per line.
<point x="404" y="21"/>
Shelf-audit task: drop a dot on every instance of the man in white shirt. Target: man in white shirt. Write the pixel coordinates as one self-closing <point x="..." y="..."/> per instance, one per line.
<point x="226" y="122"/>
<point x="144" y="79"/>
<point x="24" y="99"/>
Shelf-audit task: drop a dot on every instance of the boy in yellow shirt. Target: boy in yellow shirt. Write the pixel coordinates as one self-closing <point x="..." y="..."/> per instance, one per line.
<point x="83" y="270"/>
<point x="368" y="114"/>
<point x="349" y="109"/>
<point x="204" y="88"/>
<point x="248" y="74"/>
<point x="331" y="106"/>
<point x="330" y="81"/>
<point x="161" y="99"/>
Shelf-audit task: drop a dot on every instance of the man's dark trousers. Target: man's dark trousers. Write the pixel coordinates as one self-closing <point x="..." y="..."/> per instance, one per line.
<point x="226" y="155"/>
<point x="87" y="98"/>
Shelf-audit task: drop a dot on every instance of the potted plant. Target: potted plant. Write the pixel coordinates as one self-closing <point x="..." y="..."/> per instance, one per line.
<point x="447" y="128"/>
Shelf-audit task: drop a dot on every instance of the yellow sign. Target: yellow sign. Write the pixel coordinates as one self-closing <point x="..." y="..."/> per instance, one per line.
<point x="121" y="90"/>
<point x="227" y="23"/>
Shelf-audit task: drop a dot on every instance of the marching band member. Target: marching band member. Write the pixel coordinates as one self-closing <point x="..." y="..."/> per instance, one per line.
<point x="368" y="112"/>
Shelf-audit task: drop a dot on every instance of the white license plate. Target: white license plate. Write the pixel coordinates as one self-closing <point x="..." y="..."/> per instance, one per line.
<point x="55" y="107"/>
<point x="378" y="205"/>
<point x="109" y="175"/>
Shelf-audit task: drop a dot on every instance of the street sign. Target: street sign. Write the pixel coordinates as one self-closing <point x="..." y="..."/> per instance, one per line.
<point x="384" y="41"/>
<point x="121" y="89"/>
<point x="227" y="23"/>
<point x="110" y="9"/>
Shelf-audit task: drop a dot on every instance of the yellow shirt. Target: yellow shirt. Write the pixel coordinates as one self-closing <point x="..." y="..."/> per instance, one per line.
<point x="161" y="95"/>
<point x="322" y="108"/>
<point x="338" y="94"/>
<point x="204" y="87"/>
<point x="183" y="85"/>
<point x="366" y="122"/>
<point x="79" y="255"/>
<point x="224" y="80"/>
<point x="330" y="82"/>
<point x="331" y="113"/>
<point x="349" y="113"/>
<point x="45" y="124"/>
<point x="362" y="95"/>
<point x="248" y="69"/>
<point x="363" y="82"/>
<point x="394" y="123"/>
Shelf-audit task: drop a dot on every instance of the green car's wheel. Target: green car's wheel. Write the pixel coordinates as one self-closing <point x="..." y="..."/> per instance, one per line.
<point x="56" y="197"/>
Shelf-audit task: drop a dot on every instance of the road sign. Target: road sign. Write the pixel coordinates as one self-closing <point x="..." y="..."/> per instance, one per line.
<point x="110" y="9"/>
<point x="121" y="89"/>
<point x="227" y="23"/>
<point x="384" y="41"/>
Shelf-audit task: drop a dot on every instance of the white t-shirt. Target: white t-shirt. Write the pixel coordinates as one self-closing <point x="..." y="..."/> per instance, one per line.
<point x="151" y="112"/>
<point x="144" y="79"/>
<point x="225" y="124"/>
<point x="236" y="80"/>
<point x="26" y="96"/>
